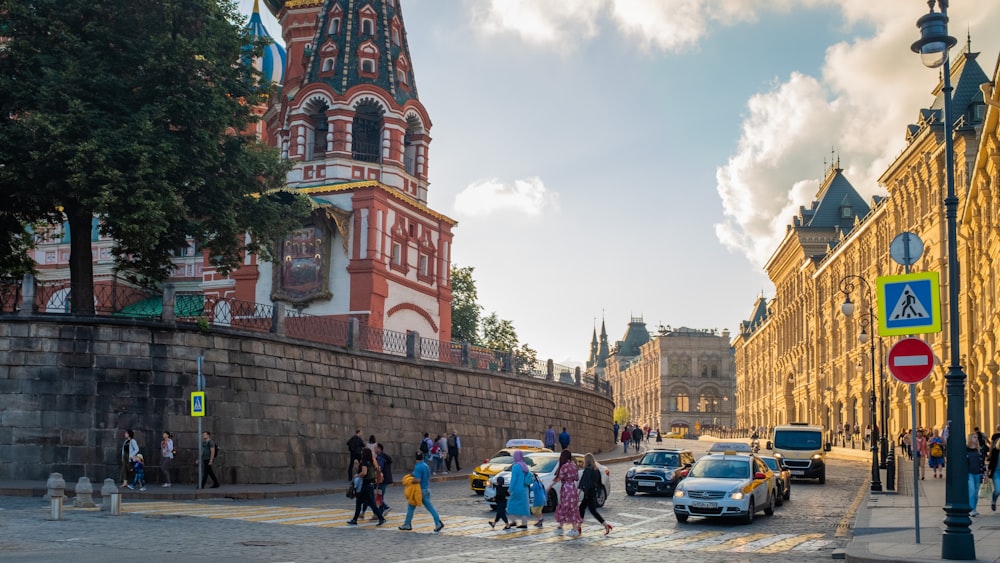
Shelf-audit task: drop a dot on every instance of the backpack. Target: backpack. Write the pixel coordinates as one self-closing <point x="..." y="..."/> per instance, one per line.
<point x="937" y="450"/>
<point x="423" y="446"/>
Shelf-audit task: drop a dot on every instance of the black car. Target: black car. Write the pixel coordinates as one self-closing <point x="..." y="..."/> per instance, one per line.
<point x="782" y="479"/>
<point x="658" y="471"/>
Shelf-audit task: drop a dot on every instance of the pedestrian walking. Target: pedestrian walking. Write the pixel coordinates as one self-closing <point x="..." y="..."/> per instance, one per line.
<point x="501" y="501"/>
<point x="922" y="452"/>
<point x="442" y="444"/>
<point x="590" y="483"/>
<point x="167" y="453"/>
<point x="616" y="427"/>
<point x="139" y="471"/>
<point x="354" y="446"/>
<point x="935" y="448"/>
<point x="421" y="481"/>
<point x="659" y="436"/>
<point x="539" y="498"/>
<point x="626" y="438"/>
<point x="908" y="445"/>
<point x="454" y="447"/>
<point x="564" y="438"/>
<point x="365" y="471"/>
<point x="974" y="462"/>
<point x="129" y="449"/>
<point x="636" y="437"/>
<point x="550" y="438"/>
<point x="437" y="463"/>
<point x="208" y="452"/>
<point x="520" y="484"/>
<point x="567" y="475"/>
<point x="384" y="464"/>
<point x="991" y="467"/>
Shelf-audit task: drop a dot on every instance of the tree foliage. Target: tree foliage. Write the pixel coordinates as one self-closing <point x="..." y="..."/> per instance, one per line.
<point x="136" y="113"/>
<point x="621" y="415"/>
<point x="465" y="307"/>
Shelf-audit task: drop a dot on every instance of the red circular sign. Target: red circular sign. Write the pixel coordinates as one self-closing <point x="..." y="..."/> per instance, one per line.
<point x="911" y="360"/>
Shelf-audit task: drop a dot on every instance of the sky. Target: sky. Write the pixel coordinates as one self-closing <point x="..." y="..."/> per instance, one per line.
<point x="610" y="159"/>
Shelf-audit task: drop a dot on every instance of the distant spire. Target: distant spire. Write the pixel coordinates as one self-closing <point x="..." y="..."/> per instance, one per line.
<point x="256" y="6"/>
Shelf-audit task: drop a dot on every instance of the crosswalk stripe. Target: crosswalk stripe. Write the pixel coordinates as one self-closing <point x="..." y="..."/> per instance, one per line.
<point x="633" y="534"/>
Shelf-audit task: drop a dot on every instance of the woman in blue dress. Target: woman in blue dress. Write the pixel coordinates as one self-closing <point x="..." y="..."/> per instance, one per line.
<point x="520" y="483"/>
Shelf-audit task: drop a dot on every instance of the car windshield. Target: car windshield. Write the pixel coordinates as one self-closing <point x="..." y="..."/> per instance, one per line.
<point x="546" y="465"/>
<point x="722" y="469"/>
<point x="772" y="463"/>
<point x="502" y="458"/>
<point x="661" y="458"/>
<point x="798" y="440"/>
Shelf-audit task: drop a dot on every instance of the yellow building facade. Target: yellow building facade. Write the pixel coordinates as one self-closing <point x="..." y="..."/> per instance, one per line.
<point x="798" y="357"/>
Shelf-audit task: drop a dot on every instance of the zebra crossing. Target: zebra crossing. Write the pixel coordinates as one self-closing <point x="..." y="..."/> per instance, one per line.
<point x="640" y="534"/>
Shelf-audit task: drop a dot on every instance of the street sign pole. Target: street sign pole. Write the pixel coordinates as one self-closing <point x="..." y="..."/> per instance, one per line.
<point x="201" y="387"/>
<point x="916" y="459"/>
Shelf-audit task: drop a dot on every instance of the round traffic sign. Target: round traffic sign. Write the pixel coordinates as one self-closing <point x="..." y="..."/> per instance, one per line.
<point x="911" y="360"/>
<point x="906" y="248"/>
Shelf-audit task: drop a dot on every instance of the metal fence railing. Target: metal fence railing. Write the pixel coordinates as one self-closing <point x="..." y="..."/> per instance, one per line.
<point x="120" y="299"/>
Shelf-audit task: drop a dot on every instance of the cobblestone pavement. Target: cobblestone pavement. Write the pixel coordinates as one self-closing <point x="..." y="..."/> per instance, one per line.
<point x="809" y="527"/>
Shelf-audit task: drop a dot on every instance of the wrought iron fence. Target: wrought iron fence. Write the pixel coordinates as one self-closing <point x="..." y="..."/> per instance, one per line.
<point x="125" y="300"/>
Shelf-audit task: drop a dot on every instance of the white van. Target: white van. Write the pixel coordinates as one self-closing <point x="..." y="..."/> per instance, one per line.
<point x="799" y="447"/>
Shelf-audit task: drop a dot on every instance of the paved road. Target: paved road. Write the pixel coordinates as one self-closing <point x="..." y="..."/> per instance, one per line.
<point x="807" y="528"/>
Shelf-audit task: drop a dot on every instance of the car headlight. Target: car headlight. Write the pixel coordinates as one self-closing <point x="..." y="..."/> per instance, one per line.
<point x="629" y="473"/>
<point x="736" y="495"/>
<point x="777" y="455"/>
<point x="679" y="493"/>
<point x="817" y="456"/>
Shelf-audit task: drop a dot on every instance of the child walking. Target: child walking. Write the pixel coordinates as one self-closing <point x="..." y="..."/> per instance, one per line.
<point x="140" y="474"/>
<point x="538" y="500"/>
<point x="501" y="500"/>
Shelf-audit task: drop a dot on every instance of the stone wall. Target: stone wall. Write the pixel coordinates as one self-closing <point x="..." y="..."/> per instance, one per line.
<point x="281" y="410"/>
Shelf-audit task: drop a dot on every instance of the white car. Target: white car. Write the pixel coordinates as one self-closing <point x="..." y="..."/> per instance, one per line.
<point x="544" y="465"/>
<point x="726" y="485"/>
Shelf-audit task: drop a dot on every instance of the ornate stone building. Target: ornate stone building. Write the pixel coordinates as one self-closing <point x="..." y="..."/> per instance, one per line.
<point x="676" y="380"/>
<point x="798" y="357"/>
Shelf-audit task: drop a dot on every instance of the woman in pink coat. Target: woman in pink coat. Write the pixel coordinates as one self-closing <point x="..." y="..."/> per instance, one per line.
<point x="568" y="509"/>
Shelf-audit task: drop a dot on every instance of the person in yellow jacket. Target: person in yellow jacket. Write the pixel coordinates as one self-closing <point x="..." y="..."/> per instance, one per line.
<point x="422" y="477"/>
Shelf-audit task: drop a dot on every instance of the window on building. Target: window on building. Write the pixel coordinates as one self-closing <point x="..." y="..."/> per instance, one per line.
<point x="401" y="76"/>
<point x="397" y="254"/>
<point x="395" y="35"/>
<point x="320" y="128"/>
<point x="367" y="133"/>
<point x="335" y="26"/>
<point x="845" y="211"/>
<point x="367" y="27"/>
<point x="368" y="66"/>
<point x="328" y="64"/>
<point x="679" y="403"/>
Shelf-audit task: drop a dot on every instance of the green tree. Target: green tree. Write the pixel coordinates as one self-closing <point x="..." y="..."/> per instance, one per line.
<point x="465" y="308"/>
<point x="136" y="113"/>
<point x="498" y="334"/>
<point x="621" y="415"/>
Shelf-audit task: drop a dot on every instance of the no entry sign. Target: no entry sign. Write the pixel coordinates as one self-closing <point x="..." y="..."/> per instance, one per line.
<point x="911" y="360"/>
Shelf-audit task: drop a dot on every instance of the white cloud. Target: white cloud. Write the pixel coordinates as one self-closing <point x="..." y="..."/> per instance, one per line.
<point x="869" y="90"/>
<point x="485" y="197"/>
<point x="538" y="22"/>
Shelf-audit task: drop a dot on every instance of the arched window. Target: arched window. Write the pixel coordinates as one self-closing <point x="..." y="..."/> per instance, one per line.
<point x="367" y="133"/>
<point x="319" y="127"/>
<point x="335" y="26"/>
<point x="367" y="27"/>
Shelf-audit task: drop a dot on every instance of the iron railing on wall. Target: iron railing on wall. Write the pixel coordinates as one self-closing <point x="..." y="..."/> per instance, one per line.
<point x="120" y="299"/>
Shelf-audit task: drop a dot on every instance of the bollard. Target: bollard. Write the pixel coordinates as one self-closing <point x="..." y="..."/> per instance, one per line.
<point x="56" y="491"/>
<point x="890" y="470"/>
<point x="84" y="494"/>
<point x="111" y="500"/>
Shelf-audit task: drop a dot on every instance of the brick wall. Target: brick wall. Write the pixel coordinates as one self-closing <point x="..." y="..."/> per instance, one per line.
<point x="281" y="410"/>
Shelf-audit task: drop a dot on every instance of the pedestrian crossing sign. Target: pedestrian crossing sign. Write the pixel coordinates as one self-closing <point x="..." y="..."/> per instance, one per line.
<point x="909" y="304"/>
<point x="197" y="403"/>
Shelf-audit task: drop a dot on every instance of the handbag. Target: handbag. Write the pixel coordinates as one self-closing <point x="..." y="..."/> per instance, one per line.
<point x="986" y="488"/>
<point x="350" y="491"/>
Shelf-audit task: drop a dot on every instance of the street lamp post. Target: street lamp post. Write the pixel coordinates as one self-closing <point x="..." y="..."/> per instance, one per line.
<point x="957" y="541"/>
<point x="867" y="323"/>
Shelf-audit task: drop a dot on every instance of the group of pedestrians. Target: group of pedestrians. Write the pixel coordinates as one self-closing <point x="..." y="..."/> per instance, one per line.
<point x="632" y="436"/>
<point x="442" y="451"/>
<point x="371" y="474"/>
<point x="549" y="438"/>
<point x="133" y="462"/>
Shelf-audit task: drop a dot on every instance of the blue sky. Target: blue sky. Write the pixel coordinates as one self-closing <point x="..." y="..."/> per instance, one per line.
<point x="624" y="158"/>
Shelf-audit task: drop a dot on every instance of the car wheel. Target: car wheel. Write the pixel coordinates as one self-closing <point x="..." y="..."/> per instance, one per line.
<point x="748" y="518"/>
<point x="629" y="492"/>
<point x="551" y="501"/>
<point x="481" y="493"/>
<point x="769" y="509"/>
<point x="602" y="495"/>
<point x="681" y="517"/>
<point x="778" y="499"/>
<point x="822" y="477"/>
<point x="788" y="493"/>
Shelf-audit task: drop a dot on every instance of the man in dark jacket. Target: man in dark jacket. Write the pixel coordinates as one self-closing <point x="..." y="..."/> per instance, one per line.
<point x="354" y="447"/>
<point x="564" y="438"/>
<point x="637" y="437"/>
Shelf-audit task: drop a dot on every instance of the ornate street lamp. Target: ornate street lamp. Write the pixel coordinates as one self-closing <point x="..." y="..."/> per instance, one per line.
<point x="866" y="321"/>
<point x="957" y="541"/>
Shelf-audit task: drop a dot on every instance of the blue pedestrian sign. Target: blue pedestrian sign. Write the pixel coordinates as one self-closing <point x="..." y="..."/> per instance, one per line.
<point x="197" y="403"/>
<point x="909" y="304"/>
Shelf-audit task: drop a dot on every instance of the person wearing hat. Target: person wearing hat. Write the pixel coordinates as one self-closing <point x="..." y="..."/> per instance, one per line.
<point x="140" y="474"/>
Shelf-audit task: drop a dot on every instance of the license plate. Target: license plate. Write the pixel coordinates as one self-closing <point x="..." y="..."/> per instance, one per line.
<point x="642" y="484"/>
<point x="699" y="504"/>
<point x="798" y="472"/>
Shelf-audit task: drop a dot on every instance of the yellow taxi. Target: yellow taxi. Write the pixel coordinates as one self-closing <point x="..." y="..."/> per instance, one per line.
<point x="499" y="461"/>
<point x="726" y="485"/>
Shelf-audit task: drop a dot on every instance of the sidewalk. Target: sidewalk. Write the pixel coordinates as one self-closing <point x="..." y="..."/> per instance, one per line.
<point x="884" y="528"/>
<point x="243" y="492"/>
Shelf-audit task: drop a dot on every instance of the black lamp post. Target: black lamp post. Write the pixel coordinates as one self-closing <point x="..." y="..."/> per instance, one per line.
<point x="866" y="321"/>
<point x="957" y="541"/>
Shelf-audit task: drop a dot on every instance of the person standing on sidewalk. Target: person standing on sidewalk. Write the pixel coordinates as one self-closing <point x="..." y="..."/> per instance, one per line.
<point x="208" y="453"/>
<point x="166" y="456"/>
<point x="130" y="449"/>
<point x="454" y="446"/>
<point x="922" y="452"/>
<point x="626" y="439"/>
<point x="935" y="447"/>
<point x="974" y="462"/>
<point x="617" y="428"/>
<point x="422" y="475"/>
<point x="564" y="438"/>
<point x="637" y="437"/>
<point x="550" y="439"/>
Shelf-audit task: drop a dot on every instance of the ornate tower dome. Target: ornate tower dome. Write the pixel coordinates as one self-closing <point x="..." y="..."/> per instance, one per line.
<point x="272" y="64"/>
